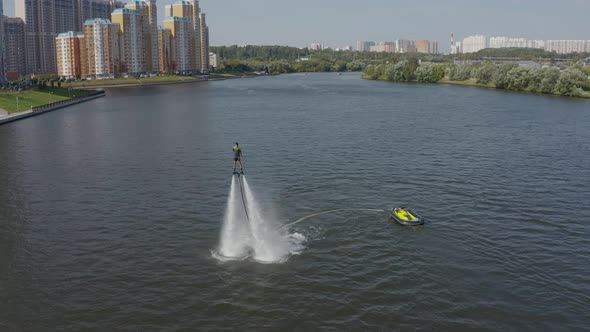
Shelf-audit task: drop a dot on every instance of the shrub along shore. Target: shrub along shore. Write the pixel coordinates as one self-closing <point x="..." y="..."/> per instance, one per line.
<point x="570" y="81"/>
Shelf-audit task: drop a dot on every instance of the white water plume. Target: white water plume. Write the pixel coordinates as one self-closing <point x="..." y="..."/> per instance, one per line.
<point x="246" y="231"/>
<point x="235" y="236"/>
<point x="268" y="244"/>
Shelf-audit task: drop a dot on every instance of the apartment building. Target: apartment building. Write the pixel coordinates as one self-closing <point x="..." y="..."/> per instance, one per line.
<point x="164" y="48"/>
<point x="132" y="29"/>
<point x="103" y="45"/>
<point x="70" y="60"/>
<point x="14" y="48"/>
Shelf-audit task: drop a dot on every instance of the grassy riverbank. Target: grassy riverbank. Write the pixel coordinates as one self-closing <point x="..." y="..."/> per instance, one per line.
<point x="131" y="81"/>
<point x="34" y="98"/>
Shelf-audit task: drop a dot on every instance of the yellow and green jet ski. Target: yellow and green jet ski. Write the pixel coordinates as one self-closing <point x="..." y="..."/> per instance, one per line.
<point x="406" y="217"/>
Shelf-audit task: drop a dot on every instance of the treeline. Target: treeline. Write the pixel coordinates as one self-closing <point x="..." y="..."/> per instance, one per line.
<point x="520" y="53"/>
<point x="286" y="67"/>
<point x="259" y="52"/>
<point x="569" y="81"/>
<point x="406" y="70"/>
<point x="284" y="59"/>
<point x="275" y="52"/>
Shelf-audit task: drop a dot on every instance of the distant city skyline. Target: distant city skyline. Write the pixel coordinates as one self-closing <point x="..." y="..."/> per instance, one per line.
<point x="330" y="22"/>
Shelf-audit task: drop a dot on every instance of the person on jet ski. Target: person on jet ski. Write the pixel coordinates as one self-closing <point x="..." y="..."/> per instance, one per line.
<point x="238" y="157"/>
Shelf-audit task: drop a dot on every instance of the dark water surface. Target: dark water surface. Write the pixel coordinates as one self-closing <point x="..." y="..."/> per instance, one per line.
<point x="109" y="210"/>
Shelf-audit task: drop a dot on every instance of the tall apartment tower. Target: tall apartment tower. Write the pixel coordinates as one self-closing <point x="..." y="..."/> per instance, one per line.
<point x="44" y="20"/>
<point x="423" y="46"/>
<point x="2" y="46"/>
<point x="204" y="44"/>
<point x="180" y="45"/>
<point x="148" y="10"/>
<point x="190" y="9"/>
<point x="132" y="29"/>
<point x="102" y="47"/>
<point x="19" y="9"/>
<point x="14" y="44"/>
<point x="196" y="16"/>
<point x="434" y="47"/>
<point x="474" y="44"/>
<point x="164" y="47"/>
<point x="153" y="22"/>
<point x="91" y="9"/>
<point x="69" y="54"/>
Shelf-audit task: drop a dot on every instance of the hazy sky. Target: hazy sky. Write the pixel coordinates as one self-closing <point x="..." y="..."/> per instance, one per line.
<point x="342" y="22"/>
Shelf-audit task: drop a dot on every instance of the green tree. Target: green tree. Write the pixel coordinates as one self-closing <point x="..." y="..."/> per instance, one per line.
<point x="339" y="66"/>
<point x="429" y="73"/>
<point x="461" y="73"/>
<point x="410" y="69"/>
<point x="389" y="72"/>
<point x="501" y="74"/>
<point x="570" y="82"/>
<point x="355" y="66"/>
<point x="369" y="73"/>
<point x="536" y="76"/>
<point x="399" y="71"/>
<point x="549" y="79"/>
<point x="518" y="78"/>
<point x="485" y="73"/>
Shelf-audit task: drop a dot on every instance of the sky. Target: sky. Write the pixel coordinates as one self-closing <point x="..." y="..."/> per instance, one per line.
<point x="338" y="23"/>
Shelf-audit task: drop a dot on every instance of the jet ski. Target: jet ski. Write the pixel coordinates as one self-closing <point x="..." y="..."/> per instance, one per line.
<point x="406" y="217"/>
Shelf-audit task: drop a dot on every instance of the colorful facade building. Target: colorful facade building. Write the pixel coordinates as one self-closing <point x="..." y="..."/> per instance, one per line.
<point x="132" y="29"/>
<point x="164" y="47"/>
<point x="70" y="54"/>
<point x="180" y="44"/>
<point x="103" y="46"/>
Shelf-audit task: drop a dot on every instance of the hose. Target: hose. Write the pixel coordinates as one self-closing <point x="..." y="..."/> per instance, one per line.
<point x="243" y="199"/>
<point x="326" y="212"/>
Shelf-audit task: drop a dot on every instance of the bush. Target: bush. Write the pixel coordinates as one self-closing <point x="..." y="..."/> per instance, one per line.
<point x="429" y="73"/>
<point x="550" y="77"/>
<point x="355" y="66"/>
<point x="518" y="79"/>
<point x="501" y="74"/>
<point x="570" y="82"/>
<point x="373" y="72"/>
<point x="461" y="73"/>
<point x="484" y="74"/>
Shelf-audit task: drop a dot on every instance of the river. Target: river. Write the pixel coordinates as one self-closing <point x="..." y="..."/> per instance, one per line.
<point x="111" y="210"/>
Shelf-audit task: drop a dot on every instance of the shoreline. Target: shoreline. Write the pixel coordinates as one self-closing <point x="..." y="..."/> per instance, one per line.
<point x="486" y="86"/>
<point x="37" y="110"/>
<point x="171" y="82"/>
<point x="124" y="85"/>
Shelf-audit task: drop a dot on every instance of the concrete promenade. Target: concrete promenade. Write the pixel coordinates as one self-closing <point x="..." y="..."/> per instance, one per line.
<point x="49" y="107"/>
